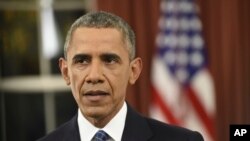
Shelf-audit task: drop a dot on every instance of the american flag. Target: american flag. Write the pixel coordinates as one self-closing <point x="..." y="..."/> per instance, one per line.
<point x="183" y="91"/>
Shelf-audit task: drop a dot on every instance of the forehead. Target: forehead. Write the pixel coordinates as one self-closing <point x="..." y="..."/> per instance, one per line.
<point x="96" y="39"/>
<point x="97" y="34"/>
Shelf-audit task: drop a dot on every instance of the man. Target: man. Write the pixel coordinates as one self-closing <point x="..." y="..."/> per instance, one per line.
<point x="99" y="63"/>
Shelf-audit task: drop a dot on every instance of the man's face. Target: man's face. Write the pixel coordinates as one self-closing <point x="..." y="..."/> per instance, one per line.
<point x="98" y="71"/>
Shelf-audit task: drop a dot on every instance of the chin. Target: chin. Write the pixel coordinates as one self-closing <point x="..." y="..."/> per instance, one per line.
<point x="94" y="112"/>
<point x="96" y="115"/>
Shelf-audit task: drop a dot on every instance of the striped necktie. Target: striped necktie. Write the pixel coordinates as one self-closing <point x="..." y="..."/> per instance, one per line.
<point x="101" y="136"/>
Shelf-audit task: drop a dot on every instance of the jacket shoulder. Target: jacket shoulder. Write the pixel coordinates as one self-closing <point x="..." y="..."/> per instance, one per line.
<point x="165" y="131"/>
<point x="66" y="132"/>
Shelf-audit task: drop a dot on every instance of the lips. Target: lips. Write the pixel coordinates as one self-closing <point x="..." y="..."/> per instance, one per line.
<point x="95" y="95"/>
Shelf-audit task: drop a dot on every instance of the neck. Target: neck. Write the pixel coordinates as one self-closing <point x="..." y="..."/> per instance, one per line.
<point x="102" y="120"/>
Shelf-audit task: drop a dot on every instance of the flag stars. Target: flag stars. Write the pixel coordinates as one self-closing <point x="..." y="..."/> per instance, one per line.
<point x="195" y="24"/>
<point x="171" y="23"/>
<point x="173" y="6"/>
<point x="184" y="41"/>
<point x="184" y="24"/>
<point x="183" y="63"/>
<point x="170" y="58"/>
<point x="186" y="7"/>
<point x="159" y="40"/>
<point x="197" y="41"/>
<point x="170" y="41"/>
<point x="168" y="6"/>
<point x="182" y="58"/>
<point x="182" y="75"/>
<point x="196" y="59"/>
<point x="180" y="42"/>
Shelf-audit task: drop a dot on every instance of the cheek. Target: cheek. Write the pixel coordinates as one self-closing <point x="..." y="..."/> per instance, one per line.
<point x="76" y="80"/>
<point x="119" y="80"/>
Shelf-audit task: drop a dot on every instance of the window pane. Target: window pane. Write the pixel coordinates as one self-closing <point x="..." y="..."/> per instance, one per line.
<point x="63" y="19"/>
<point x="19" y="46"/>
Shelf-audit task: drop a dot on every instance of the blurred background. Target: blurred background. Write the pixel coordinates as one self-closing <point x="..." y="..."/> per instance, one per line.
<point x="196" y="58"/>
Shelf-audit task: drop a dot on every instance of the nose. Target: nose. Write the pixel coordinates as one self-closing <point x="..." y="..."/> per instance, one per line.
<point x="95" y="74"/>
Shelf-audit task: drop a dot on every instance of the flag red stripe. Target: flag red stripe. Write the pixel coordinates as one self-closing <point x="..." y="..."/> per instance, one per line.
<point x="206" y="120"/>
<point x="163" y="106"/>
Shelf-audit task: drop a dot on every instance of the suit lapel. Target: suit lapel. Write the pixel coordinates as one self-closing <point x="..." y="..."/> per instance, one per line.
<point x="73" y="131"/>
<point x="136" y="127"/>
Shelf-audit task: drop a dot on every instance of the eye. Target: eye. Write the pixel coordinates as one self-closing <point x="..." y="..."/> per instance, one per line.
<point x="81" y="59"/>
<point x="110" y="58"/>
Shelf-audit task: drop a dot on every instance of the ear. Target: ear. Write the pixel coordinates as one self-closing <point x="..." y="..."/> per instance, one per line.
<point x="136" y="67"/>
<point x="64" y="70"/>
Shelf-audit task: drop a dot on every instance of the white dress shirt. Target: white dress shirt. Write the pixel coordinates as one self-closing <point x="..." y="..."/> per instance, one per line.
<point x="114" y="128"/>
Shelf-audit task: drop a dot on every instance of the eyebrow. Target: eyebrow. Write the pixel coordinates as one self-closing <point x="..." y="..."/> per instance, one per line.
<point x="110" y="55"/>
<point x="102" y="56"/>
<point x="80" y="56"/>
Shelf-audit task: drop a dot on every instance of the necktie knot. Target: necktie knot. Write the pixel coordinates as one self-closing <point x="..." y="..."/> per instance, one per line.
<point x="101" y="136"/>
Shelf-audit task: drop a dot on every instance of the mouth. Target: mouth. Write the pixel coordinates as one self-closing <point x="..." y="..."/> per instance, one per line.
<point x="95" y="95"/>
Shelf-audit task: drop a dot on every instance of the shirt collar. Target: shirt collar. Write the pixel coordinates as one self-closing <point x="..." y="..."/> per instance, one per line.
<point x="114" y="128"/>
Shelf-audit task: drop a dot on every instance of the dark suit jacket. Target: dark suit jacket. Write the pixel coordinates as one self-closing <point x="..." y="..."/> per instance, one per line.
<point x="137" y="128"/>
